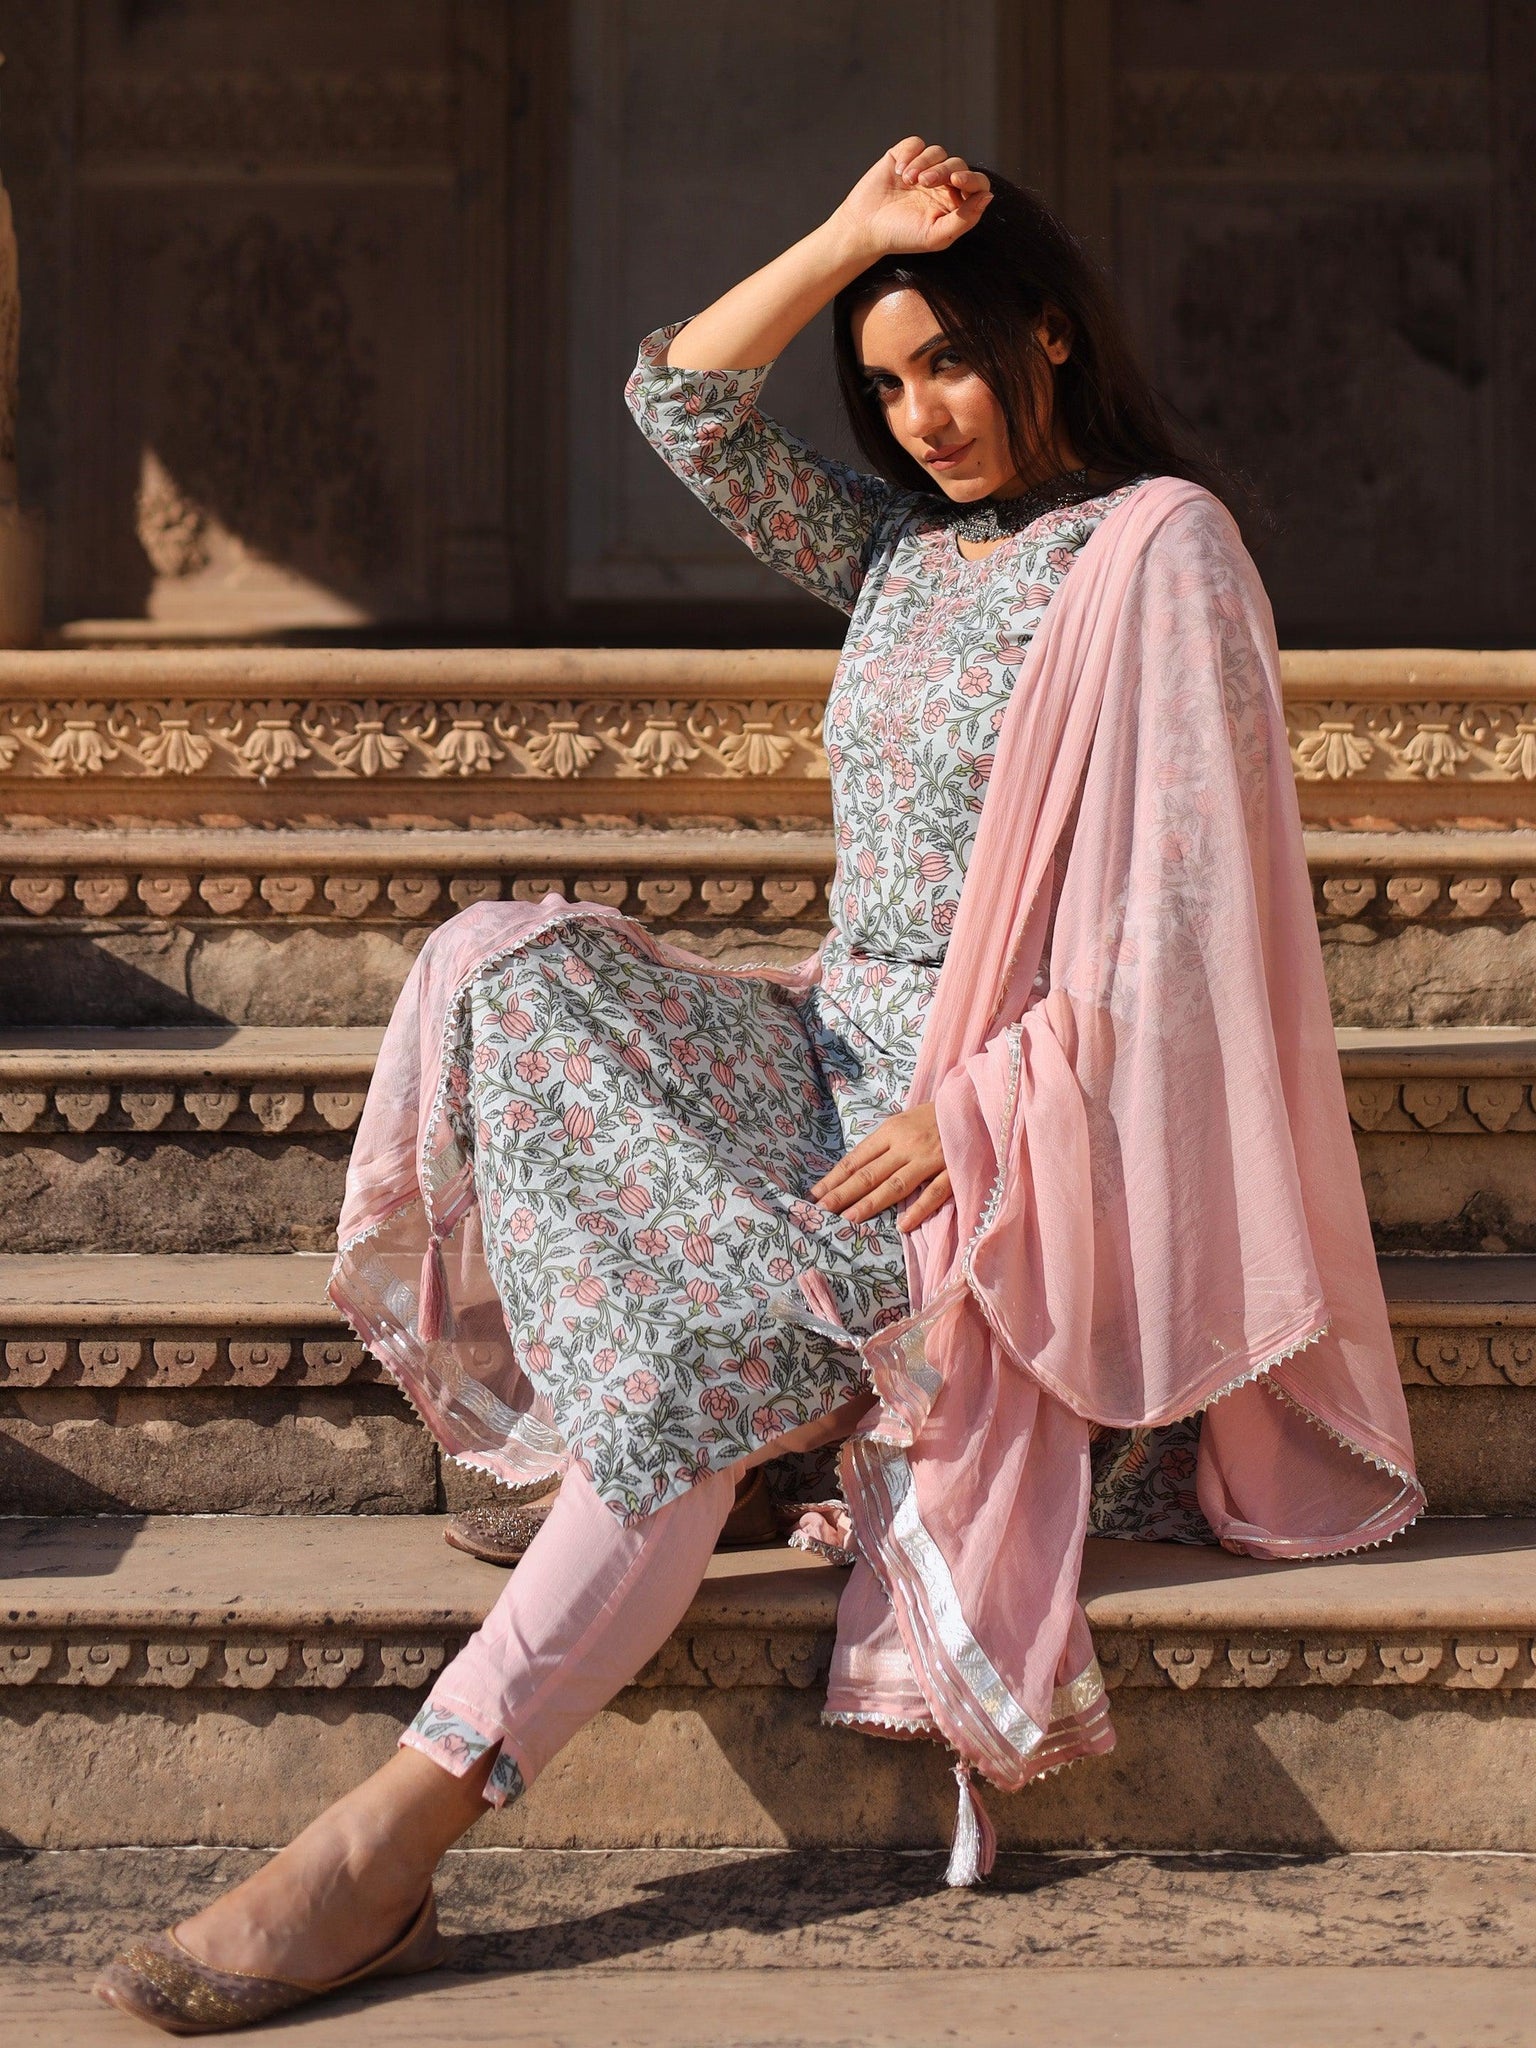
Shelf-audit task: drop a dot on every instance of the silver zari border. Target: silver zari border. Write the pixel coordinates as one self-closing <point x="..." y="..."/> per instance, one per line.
<point x="956" y="1669"/>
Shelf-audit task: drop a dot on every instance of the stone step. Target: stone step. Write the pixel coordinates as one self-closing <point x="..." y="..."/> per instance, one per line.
<point x="225" y="1679"/>
<point x="228" y="1384"/>
<point x="1408" y="735"/>
<point x="200" y="1383"/>
<point x="235" y="1137"/>
<point x="1367" y="1951"/>
<point x="198" y="1138"/>
<point x="294" y="926"/>
<point x="906" y="2005"/>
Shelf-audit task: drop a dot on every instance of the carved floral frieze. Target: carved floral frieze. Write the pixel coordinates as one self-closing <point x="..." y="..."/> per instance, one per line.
<point x="519" y="739"/>
<point x="367" y="739"/>
<point x="1472" y="1660"/>
<point x="1458" y="1357"/>
<point x="1447" y="1105"/>
<point x="1427" y="1354"/>
<point x="1387" y="897"/>
<point x="142" y="1105"/>
<point x="190" y="1358"/>
<point x="1413" y="742"/>
<point x="690" y="891"/>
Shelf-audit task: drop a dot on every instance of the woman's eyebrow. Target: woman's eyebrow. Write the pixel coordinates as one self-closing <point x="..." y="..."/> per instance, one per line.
<point x="927" y="348"/>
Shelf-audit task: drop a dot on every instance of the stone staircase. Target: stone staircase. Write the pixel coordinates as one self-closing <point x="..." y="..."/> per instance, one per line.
<point x="221" y="1584"/>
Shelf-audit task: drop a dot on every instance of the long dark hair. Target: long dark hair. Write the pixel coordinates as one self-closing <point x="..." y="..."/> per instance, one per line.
<point x="988" y="291"/>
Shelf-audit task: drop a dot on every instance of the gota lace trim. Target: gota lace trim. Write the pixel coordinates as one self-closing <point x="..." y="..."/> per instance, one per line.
<point x="1389" y="1519"/>
<point x="995" y="1193"/>
<point x="895" y="1724"/>
<point x="833" y="1553"/>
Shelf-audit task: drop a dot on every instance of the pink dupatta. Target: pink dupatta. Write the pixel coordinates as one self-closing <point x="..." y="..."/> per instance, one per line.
<point x="1157" y="1201"/>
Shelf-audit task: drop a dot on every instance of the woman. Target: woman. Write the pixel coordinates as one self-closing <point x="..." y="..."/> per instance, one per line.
<point x="1035" y="1186"/>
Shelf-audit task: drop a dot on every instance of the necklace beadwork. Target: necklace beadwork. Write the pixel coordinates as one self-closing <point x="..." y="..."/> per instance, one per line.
<point x="993" y="518"/>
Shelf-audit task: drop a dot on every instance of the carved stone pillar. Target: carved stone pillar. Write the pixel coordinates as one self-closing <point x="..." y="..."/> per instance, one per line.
<point x="21" y="546"/>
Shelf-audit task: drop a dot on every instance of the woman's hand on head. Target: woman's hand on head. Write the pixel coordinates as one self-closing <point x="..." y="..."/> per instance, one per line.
<point x="901" y="1161"/>
<point x="916" y="198"/>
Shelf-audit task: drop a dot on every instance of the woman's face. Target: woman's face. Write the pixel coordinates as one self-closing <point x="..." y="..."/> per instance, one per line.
<point x="935" y="404"/>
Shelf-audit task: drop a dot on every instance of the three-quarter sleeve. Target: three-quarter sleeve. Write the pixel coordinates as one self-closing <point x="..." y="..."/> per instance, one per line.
<point x="812" y="519"/>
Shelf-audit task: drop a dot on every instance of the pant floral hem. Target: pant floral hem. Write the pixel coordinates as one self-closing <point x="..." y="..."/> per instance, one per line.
<point x="457" y="1745"/>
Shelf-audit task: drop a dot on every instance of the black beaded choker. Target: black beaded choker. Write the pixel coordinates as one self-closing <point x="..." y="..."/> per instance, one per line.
<point x="993" y="518"/>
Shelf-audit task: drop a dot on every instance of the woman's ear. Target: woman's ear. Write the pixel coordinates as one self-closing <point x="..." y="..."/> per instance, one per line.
<point x="1053" y="331"/>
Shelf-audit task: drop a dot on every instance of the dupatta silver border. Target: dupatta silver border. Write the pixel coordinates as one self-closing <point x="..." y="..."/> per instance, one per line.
<point x="962" y="1685"/>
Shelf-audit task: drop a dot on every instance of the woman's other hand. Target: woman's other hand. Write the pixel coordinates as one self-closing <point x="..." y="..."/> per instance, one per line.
<point x="902" y="1159"/>
<point x="916" y="197"/>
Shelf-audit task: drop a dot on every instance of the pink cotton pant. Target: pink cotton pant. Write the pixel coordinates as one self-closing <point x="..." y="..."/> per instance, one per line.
<point x="590" y="1604"/>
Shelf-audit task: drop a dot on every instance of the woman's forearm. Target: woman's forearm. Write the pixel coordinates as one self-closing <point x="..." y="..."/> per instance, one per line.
<point x="756" y="320"/>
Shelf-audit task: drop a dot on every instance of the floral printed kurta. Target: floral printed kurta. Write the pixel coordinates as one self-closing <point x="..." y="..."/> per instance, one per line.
<point x="645" y="1136"/>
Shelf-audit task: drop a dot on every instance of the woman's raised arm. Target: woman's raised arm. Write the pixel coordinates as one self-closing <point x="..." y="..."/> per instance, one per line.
<point x="916" y="197"/>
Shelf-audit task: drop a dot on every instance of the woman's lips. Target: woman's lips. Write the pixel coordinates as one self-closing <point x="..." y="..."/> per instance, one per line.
<point x="946" y="458"/>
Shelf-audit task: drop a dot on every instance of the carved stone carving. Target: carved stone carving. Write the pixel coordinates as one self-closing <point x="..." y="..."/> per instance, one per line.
<point x="1512" y="1356"/>
<point x="1467" y="1358"/>
<point x="95" y="1664"/>
<point x="247" y="1106"/>
<point x="241" y="1359"/>
<point x="163" y="895"/>
<point x="225" y="894"/>
<point x="1483" y="1665"/>
<point x="1332" y="748"/>
<point x="174" y="1664"/>
<point x="802" y="1660"/>
<point x="1349" y="898"/>
<point x="20" y="1663"/>
<point x="1334" y="1663"/>
<point x="1443" y="1105"/>
<point x="1118" y="1658"/>
<point x="1185" y="1662"/>
<point x="253" y="1666"/>
<point x="38" y="894"/>
<point x="372" y="738"/>
<point x="411" y="1665"/>
<point x="330" y="1664"/>
<point x="1409" y="1663"/>
<point x="1412" y="895"/>
<point x="1504" y="893"/>
<point x="1449" y="1356"/>
<point x="1258" y="1664"/>
<point x="522" y="738"/>
<point x="729" y="1659"/>
<point x="673" y="1665"/>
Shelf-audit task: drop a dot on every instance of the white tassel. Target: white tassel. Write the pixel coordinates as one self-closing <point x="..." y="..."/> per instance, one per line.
<point x="975" y="1845"/>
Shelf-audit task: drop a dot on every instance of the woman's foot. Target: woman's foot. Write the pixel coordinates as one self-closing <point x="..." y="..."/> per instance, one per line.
<point x="342" y="1891"/>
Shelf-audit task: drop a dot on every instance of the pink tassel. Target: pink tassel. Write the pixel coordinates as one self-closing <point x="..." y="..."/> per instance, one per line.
<point x="975" y="1845"/>
<point x="432" y="1296"/>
